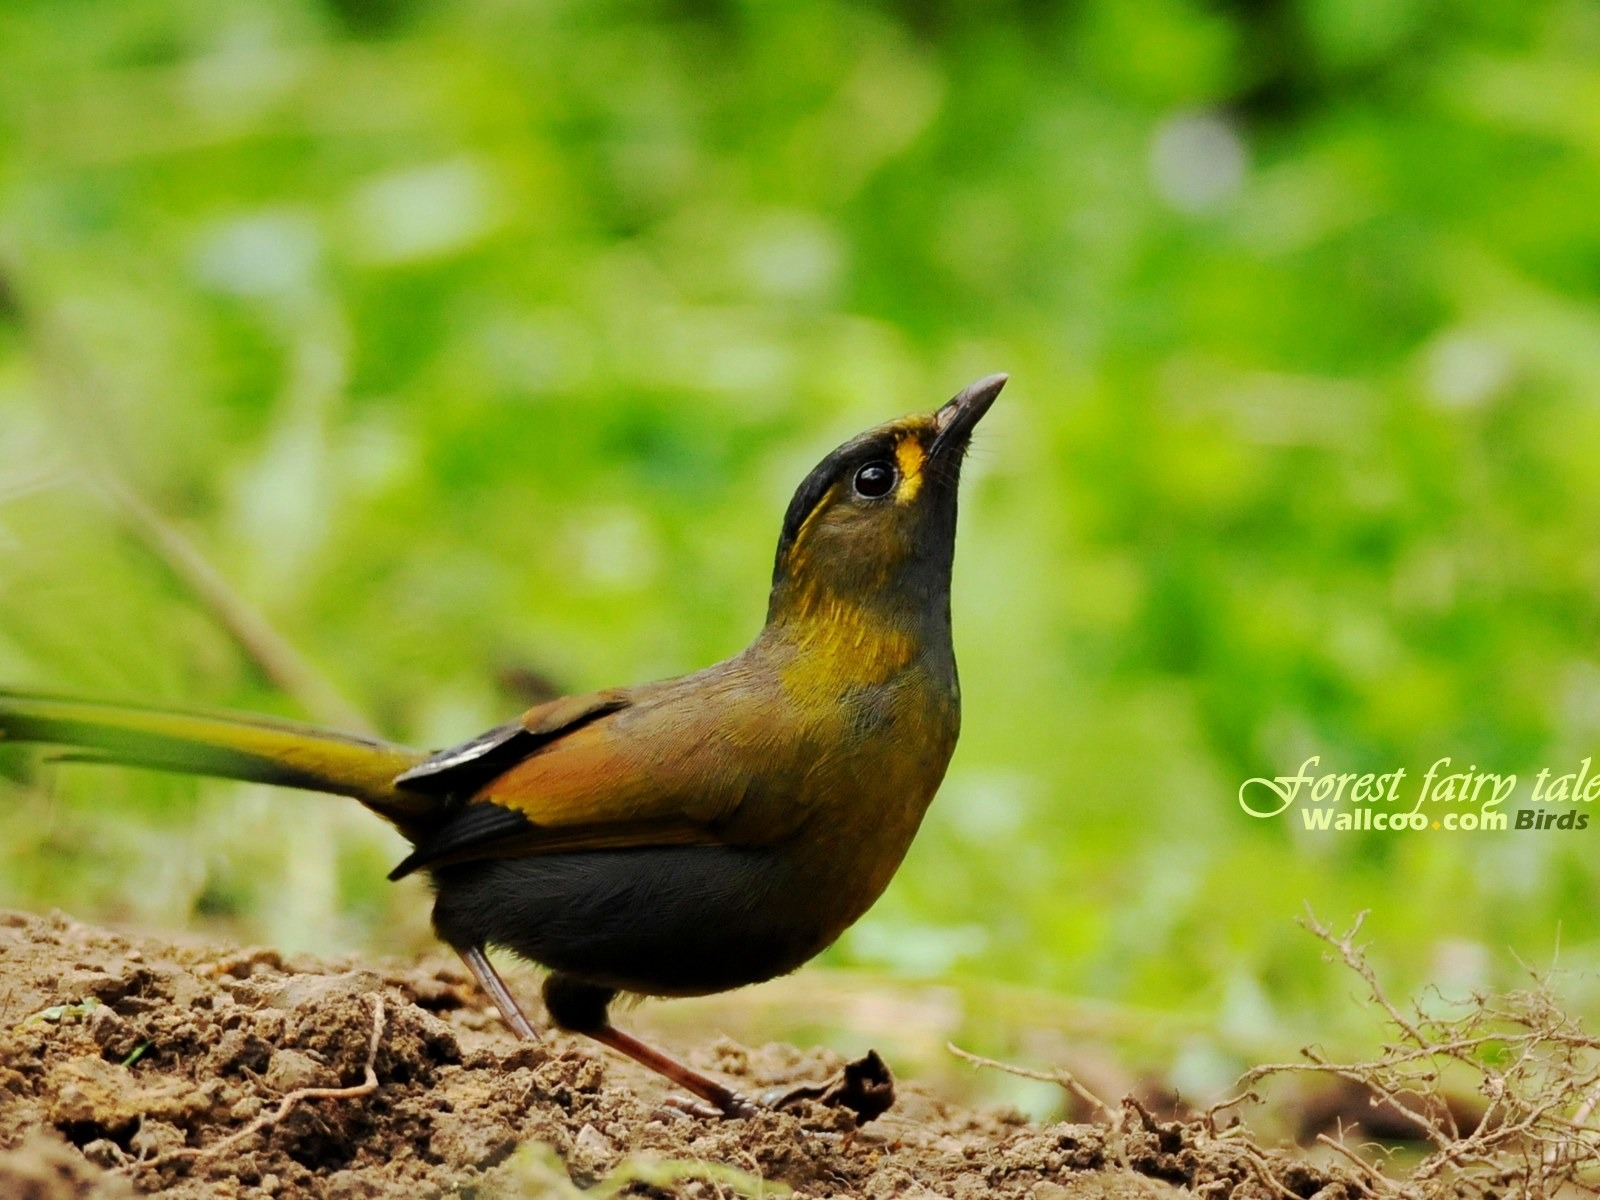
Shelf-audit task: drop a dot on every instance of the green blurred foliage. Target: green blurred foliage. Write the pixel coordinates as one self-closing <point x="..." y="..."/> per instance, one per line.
<point x="483" y="341"/>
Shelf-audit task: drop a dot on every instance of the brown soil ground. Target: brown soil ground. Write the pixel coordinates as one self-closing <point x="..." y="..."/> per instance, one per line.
<point x="129" y="1066"/>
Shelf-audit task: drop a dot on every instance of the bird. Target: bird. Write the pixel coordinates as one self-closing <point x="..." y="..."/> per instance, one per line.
<point x="676" y="838"/>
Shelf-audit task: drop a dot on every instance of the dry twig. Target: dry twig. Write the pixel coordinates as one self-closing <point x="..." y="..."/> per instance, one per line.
<point x="1061" y="1076"/>
<point x="286" y="1105"/>
<point x="1534" y="1064"/>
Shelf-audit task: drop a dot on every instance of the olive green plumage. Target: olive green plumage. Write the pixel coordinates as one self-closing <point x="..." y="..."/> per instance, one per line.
<point x="677" y="837"/>
<point x="226" y="745"/>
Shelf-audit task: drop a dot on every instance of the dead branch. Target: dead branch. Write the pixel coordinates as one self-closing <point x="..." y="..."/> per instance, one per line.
<point x="1538" y="1070"/>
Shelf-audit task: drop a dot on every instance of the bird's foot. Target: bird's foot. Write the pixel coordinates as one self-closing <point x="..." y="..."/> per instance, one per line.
<point x="732" y="1106"/>
<point x="865" y="1088"/>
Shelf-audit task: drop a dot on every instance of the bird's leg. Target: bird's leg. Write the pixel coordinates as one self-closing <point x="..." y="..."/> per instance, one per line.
<point x="724" y="1101"/>
<point x="489" y="980"/>
<point x="581" y="1008"/>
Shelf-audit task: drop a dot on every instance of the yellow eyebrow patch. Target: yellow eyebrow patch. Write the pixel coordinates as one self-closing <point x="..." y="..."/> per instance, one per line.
<point x="912" y="457"/>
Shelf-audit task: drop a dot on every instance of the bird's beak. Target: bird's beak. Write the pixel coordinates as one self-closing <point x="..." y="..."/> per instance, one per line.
<point x="956" y="419"/>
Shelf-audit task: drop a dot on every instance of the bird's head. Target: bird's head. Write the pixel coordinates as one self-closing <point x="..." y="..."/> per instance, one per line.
<point x="875" y="521"/>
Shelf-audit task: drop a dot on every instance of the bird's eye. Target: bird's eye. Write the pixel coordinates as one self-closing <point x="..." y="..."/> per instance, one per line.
<point x="875" y="479"/>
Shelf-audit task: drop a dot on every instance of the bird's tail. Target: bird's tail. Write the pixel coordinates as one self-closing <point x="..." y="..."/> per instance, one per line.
<point x="224" y="745"/>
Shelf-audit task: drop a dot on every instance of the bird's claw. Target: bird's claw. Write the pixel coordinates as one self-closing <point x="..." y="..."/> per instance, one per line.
<point x="732" y="1107"/>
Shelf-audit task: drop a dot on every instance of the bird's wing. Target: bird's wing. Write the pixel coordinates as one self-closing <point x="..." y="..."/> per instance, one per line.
<point x="659" y="766"/>
<point x="461" y="770"/>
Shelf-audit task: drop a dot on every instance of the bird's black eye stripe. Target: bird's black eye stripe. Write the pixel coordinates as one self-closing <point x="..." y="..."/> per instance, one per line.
<point x="876" y="478"/>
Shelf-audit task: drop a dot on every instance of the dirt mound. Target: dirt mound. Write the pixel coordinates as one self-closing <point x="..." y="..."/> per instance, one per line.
<point x="129" y="1066"/>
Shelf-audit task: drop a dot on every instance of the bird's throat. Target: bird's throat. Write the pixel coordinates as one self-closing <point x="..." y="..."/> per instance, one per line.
<point x="831" y="643"/>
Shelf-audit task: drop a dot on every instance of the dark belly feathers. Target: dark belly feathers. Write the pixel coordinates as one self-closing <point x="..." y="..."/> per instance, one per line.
<point x="662" y="921"/>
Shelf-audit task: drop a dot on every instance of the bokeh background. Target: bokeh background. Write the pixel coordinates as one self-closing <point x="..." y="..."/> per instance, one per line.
<point x="390" y="363"/>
